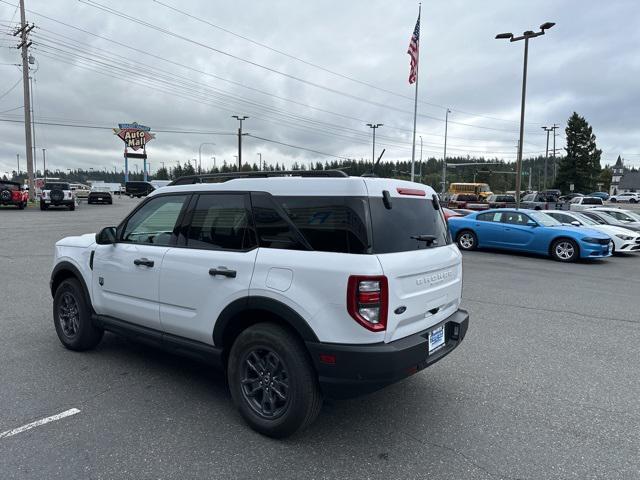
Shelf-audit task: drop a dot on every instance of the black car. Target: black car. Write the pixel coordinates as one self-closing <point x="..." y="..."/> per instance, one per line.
<point x="138" y="189"/>
<point x="97" y="196"/>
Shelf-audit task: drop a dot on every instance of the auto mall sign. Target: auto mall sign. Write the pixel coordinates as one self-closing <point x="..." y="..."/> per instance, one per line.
<point x="134" y="135"/>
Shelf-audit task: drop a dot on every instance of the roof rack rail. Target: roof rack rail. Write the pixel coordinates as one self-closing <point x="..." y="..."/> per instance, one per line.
<point x="221" y="177"/>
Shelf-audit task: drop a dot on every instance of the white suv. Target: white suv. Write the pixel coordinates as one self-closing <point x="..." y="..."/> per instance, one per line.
<point x="297" y="286"/>
<point x="630" y="197"/>
<point x="57" y="194"/>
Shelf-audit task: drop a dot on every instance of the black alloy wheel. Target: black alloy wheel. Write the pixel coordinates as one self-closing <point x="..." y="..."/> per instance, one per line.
<point x="265" y="382"/>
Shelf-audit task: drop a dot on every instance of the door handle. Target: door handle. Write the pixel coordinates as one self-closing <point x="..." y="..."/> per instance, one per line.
<point x="224" y="271"/>
<point x="143" y="261"/>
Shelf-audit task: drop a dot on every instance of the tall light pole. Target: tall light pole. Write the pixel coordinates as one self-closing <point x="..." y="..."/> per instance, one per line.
<point x="444" y="158"/>
<point x="420" y="174"/>
<point x="260" y="155"/>
<point x="240" y="119"/>
<point x="374" y="126"/>
<point x="18" y="155"/>
<point x="555" y="163"/>
<point x="200" y="155"/>
<point x="546" y="156"/>
<point x="525" y="36"/>
<point x="44" y="164"/>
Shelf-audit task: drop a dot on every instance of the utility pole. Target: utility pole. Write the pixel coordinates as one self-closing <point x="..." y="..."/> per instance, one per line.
<point x="525" y="36"/>
<point x="555" y="163"/>
<point x="44" y="163"/>
<point x="24" y="45"/>
<point x="546" y="156"/>
<point x="444" y="158"/>
<point x="18" y="155"/>
<point x="373" y="126"/>
<point x="240" y="119"/>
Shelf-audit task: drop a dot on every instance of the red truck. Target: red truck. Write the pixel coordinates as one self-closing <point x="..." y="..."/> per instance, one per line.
<point x="11" y="193"/>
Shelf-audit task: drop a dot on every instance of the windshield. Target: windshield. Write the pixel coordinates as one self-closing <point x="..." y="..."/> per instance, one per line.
<point x="544" y="219"/>
<point x="634" y="215"/>
<point x="408" y="217"/>
<point x="584" y="219"/>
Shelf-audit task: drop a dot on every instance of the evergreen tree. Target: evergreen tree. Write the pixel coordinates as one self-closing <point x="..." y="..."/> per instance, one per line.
<point x="581" y="165"/>
<point x="162" y="174"/>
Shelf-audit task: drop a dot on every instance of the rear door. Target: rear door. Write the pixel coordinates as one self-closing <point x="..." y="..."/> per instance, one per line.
<point x="425" y="280"/>
<point x="211" y="266"/>
<point x="518" y="230"/>
<point x="126" y="274"/>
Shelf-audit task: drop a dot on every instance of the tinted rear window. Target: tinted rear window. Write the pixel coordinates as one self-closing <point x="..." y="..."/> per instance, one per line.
<point x="591" y="201"/>
<point x="330" y="224"/>
<point x="57" y="186"/>
<point x="466" y="198"/>
<point x="393" y="229"/>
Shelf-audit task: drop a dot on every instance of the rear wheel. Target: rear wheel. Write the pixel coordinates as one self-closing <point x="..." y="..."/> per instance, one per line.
<point x="72" y="206"/>
<point x="613" y="200"/>
<point x="633" y="200"/>
<point x="72" y="317"/>
<point x="565" y="250"/>
<point x="272" y="381"/>
<point x="467" y="240"/>
<point x="43" y="206"/>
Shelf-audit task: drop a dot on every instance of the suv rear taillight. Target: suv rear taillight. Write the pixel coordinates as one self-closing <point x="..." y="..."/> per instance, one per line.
<point x="367" y="301"/>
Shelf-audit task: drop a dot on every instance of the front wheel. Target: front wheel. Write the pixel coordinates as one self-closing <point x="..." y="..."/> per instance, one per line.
<point x="613" y="200"/>
<point x="633" y="200"/>
<point x="467" y="240"/>
<point x="72" y="317"/>
<point x="72" y="207"/>
<point x="272" y="381"/>
<point x="565" y="250"/>
<point x="43" y="206"/>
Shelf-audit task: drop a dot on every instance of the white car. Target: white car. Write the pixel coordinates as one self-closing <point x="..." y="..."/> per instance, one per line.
<point x="298" y="285"/>
<point x="624" y="240"/>
<point x="583" y="203"/>
<point x="630" y="197"/>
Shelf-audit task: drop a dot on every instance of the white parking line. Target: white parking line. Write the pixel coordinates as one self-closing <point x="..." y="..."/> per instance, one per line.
<point x="37" y="423"/>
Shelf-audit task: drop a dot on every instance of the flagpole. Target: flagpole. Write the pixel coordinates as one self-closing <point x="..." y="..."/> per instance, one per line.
<point x="415" y="105"/>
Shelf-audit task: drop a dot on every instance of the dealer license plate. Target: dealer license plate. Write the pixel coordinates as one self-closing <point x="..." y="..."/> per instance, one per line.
<point x="99" y="198"/>
<point x="436" y="339"/>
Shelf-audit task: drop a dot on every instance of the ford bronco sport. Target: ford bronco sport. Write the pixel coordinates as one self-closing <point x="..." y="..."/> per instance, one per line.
<point x="299" y="285"/>
<point x="57" y="194"/>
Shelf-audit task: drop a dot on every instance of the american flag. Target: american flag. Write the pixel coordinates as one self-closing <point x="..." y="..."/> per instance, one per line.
<point x="414" y="46"/>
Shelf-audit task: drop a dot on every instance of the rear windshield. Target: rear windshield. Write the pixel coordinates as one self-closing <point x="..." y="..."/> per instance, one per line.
<point x="358" y="225"/>
<point x="9" y="186"/>
<point x="591" y="201"/>
<point x="56" y="186"/>
<point x="505" y="198"/>
<point x="408" y="217"/>
<point x="466" y="197"/>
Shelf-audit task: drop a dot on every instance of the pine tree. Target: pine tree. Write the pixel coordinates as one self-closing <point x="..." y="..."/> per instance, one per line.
<point x="581" y="166"/>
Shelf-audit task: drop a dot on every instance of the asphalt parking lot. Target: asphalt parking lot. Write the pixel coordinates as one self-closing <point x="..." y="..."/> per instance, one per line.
<point x="545" y="385"/>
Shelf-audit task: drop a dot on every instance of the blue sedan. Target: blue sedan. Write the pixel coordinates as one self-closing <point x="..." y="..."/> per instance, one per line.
<point x="528" y="231"/>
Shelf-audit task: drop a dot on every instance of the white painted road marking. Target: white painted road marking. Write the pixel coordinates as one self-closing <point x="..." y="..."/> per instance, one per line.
<point x="37" y="423"/>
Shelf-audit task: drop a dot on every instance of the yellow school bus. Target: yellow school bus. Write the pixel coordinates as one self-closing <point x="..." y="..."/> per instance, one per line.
<point x="481" y="189"/>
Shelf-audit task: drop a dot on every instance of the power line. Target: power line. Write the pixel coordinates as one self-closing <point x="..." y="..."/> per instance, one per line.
<point x="11" y="89"/>
<point x="325" y="69"/>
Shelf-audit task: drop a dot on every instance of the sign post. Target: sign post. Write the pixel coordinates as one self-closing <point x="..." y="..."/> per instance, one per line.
<point x="135" y="137"/>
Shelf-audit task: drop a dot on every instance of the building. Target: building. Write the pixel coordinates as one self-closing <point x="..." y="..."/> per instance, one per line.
<point x="624" y="180"/>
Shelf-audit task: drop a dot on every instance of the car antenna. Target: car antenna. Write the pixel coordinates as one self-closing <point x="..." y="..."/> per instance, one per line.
<point x="373" y="167"/>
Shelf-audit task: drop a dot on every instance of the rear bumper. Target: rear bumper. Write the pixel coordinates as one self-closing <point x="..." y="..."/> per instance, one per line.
<point x="361" y="369"/>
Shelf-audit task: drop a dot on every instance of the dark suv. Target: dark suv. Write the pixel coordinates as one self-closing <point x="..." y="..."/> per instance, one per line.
<point x="138" y="189"/>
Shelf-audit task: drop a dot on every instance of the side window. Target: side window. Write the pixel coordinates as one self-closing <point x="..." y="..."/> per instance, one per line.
<point x="274" y="231"/>
<point x="595" y="218"/>
<point x="561" y="217"/>
<point x="221" y="222"/>
<point x="489" y="217"/>
<point x="330" y="223"/>
<point x="153" y="224"/>
<point x="515" y="218"/>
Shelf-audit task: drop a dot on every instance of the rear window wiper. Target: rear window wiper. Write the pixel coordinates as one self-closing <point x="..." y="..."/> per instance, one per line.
<point x="428" y="239"/>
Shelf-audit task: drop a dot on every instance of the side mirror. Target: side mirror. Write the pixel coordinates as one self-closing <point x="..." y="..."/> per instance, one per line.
<point x="531" y="224"/>
<point x="575" y="223"/>
<point x="106" y="236"/>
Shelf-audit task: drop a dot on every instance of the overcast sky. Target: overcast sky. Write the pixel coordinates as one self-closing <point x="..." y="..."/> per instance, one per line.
<point x="174" y="72"/>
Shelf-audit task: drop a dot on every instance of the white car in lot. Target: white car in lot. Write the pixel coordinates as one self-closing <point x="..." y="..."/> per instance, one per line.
<point x="583" y="203"/>
<point x="631" y="197"/>
<point x="624" y="240"/>
<point x="298" y="287"/>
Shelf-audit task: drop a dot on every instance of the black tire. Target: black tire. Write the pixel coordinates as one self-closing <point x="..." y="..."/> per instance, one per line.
<point x="633" y="200"/>
<point x="72" y="207"/>
<point x="22" y="205"/>
<point x="5" y="195"/>
<point x="72" y="317"/>
<point x="613" y="200"/>
<point x="43" y="206"/>
<point x="467" y="240"/>
<point x="565" y="250"/>
<point x="288" y="360"/>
